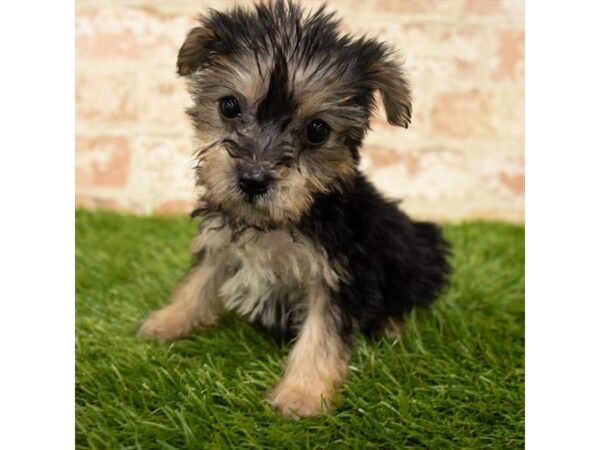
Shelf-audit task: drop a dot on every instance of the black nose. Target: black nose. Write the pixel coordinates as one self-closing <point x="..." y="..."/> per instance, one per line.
<point x="254" y="181"/>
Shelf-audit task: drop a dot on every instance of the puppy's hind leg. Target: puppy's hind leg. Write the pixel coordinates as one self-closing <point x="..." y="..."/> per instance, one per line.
<point x="194" y="304"/>
<point x="390" y="328"/>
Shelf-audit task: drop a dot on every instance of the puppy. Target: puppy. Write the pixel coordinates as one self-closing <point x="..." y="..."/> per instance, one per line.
<point x="293" y="237"/>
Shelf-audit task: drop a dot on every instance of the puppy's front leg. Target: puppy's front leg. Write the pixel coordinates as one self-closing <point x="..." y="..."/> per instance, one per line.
<point x="193" y="304"/>
<point x="318" y="362"/>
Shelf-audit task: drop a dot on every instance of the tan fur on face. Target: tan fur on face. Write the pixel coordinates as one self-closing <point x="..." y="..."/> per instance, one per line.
<point x="321" y="170"/>
<point x="293" y="189"/>
<point x="316" y="366"/>
<point x="241" y="78"/>
<point x="316" y="170"/>
<point x="284" y="203"/>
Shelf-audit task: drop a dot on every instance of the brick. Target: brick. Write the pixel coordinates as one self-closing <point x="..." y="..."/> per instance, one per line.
<point x="504" y="175"/>
<point x="125" y="95"/>
<point x="432" y="176"/>
<point x="162" y="170"/>
<point x="436" y="54"/>
<point x="479" y="114"/>
<point x="483" y="7"/>
<point x="498" y="214"/>
<point x="84" y="201"/>
<point x="511" y="56"/>
<point x="101" y="161"/>
<point x="507" y="116"/>
<point x="167" y="158"/>
<point x="176" y="207"/>
<point x="381" y="157"/>
<point x="461" y="115"/>
<point x="107" y="97"/>
<point x="128" y="34"/>
<point x="515" y="183"/>
<point x="417" y="6"/>
<point x="404" y="6"/>
<point x="93" y="202"/>
<point x="428" y="41"/>
<point x="163" y="99"/>
<point x="516" y="10"/>
<point x="377" y="158"/>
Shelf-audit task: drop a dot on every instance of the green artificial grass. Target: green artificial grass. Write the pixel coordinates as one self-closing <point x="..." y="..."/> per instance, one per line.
<point x="455" y="378"/>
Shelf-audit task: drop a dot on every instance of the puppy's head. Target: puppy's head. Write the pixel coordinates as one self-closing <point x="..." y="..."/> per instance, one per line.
<point x="282" y="102"/>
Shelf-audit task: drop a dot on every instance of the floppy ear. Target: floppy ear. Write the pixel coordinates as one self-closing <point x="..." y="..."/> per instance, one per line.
<point x="388" y="77"/>
<point x="385" y="74"/>
<point x="196" y="51"/>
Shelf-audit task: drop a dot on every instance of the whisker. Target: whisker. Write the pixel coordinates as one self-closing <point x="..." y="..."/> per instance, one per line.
<point x="201" y="151"/>
<point x="233" y="148"/>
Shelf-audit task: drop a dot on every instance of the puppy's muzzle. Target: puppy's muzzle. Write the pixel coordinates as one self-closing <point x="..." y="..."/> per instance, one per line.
<point x="253" y="180"/>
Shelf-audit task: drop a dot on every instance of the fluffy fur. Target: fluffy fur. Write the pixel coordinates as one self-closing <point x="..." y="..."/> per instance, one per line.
<point x="318" y="253"/>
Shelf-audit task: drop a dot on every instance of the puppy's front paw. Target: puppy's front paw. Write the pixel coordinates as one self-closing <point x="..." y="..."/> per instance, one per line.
<point x="165" y="325"/>
<point x="296" y="401"/>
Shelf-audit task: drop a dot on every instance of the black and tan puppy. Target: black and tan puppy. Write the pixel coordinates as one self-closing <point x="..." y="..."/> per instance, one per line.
<point x="293" y="236"/>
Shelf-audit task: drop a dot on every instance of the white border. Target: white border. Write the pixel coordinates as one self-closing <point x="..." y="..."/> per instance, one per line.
<point x="563" y="225"/>
<point x="37" y="233"/>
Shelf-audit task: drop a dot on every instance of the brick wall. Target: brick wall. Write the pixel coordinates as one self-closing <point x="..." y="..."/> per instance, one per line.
<point x="461" y="158"/>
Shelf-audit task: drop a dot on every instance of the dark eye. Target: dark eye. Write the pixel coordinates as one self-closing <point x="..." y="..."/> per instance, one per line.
<point x="230" y="107"/>
<point x="317" y="131"/>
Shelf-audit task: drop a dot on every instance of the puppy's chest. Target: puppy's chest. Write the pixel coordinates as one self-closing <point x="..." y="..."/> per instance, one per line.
<point x="266" y="274"/>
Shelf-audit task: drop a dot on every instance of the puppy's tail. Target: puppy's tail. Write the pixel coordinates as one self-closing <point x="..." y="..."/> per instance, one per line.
<point x="435" y="253"/>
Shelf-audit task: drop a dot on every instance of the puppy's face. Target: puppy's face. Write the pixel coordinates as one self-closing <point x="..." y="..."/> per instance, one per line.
<point x="282" y="102"/>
